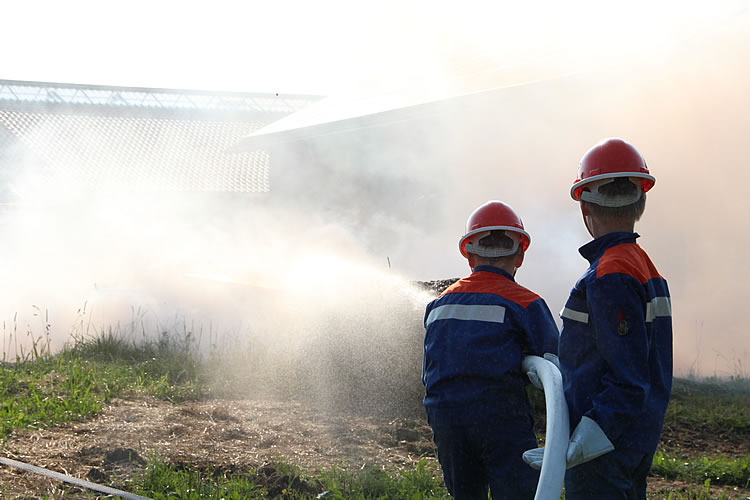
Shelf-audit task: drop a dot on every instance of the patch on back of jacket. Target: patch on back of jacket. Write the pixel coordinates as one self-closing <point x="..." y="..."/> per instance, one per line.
<point x="622" y="323"/>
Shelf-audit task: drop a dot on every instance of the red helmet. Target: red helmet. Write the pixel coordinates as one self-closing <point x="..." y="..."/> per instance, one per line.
<point x="609" y="159"/>
<point x="494" y="216"/>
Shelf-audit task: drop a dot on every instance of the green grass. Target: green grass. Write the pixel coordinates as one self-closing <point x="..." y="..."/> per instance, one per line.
<point x="717" y="470"/>
<point x="715" y="405"/>
<point x="163" y="480"/>
<point x="703" y="492"/>
<point x="370" y="482"/>
<point x="47" y="390"/>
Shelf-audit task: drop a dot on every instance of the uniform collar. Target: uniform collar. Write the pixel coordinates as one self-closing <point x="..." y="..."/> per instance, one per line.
<point x="496" y="270"/>
<point x="595" y="248"/>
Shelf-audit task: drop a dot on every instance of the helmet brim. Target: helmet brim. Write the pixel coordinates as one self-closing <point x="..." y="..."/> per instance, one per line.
<point x="525" y="237"/>
<point x="575" y="190"/>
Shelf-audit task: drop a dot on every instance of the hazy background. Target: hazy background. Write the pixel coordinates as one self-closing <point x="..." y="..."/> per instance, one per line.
<point x="671" y="78"/>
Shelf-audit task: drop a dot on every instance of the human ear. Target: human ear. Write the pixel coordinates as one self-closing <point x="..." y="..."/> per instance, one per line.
<point x="584" y="209"/>
<point x="586" y="214"/>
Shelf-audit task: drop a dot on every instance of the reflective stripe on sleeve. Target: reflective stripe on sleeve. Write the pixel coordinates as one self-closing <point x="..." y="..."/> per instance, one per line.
<point x="658" y="306"/>
<point x="579" y="316"/>
<point x="493" y="314"/>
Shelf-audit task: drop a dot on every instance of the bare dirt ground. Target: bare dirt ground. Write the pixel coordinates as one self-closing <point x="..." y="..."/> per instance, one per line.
<point x="219" y="435"/>
<point x="227" y="436"/>
<point x="697" y="440"/>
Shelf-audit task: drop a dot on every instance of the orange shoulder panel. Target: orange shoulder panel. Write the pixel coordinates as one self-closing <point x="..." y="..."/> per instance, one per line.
<point x="627" y="258"/>
<point x="487" y="282"/>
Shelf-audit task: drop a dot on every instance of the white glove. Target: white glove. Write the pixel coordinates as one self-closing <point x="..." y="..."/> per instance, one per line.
<point x="534" y="457"/>
<point x="535" y="379"/>
<point x="552" y="358"/>
<point x="587" y="442"/>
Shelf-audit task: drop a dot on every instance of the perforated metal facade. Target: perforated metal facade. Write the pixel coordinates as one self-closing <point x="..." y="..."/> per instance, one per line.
<point x="140" y="138"/>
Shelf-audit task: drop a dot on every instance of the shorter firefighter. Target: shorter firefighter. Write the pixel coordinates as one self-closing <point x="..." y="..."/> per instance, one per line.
<point x="616" y="339"/>
<point x="476" y="334"/>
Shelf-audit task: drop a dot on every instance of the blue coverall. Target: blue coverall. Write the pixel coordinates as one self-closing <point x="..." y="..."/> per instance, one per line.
<point x="476" y="334"/>
<point x="616" y="363"/>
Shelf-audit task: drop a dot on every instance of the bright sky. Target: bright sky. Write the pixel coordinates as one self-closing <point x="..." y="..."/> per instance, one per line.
<point x="334" y="47"/>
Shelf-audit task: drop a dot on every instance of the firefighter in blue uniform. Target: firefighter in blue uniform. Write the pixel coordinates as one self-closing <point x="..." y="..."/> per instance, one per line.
<point x="616" y="340"/>
<point x="476" y="334"/>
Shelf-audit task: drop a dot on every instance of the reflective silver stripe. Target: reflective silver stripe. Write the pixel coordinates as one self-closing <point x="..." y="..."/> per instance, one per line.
<point x="579" y="316"/>
<point x="658" y="306"/>
<point x="493" y="314"/>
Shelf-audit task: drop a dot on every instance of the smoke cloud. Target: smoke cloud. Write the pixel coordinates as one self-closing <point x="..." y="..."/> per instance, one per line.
<point x="350" y="221"/>
<point x="683" y="104"/>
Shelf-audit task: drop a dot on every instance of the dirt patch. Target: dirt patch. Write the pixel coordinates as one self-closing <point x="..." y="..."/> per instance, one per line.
<point x="659" y="488"/>
<point x="698" y="440"/>
<point x="219" y="434"/>
<point x="238" y="436"/>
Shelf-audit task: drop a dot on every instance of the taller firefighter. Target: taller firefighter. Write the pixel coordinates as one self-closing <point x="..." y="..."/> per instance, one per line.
<point x="616" y="339"/>
<point x="476" y="334"/>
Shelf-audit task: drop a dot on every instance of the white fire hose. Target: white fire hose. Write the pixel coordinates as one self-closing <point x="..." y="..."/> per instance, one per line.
<point x="82" y="483"/>
<point x="557" y="429"/>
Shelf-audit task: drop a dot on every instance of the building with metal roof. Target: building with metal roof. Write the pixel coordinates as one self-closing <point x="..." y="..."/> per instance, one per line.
<point x="161" y="139"/>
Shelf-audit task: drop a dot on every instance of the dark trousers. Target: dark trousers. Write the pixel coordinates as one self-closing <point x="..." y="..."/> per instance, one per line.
<point x="618" y="475"/>
<point x="485" y="455"/>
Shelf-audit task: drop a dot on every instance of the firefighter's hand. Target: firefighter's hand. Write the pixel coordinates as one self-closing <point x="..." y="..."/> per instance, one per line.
<point x="535" y="379"/>
<point x="533" y="375"/>
<point x="552" y="358"/>
<point x="587" y="442"/>
<point x="534" y="457"/>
